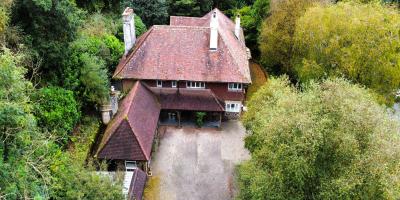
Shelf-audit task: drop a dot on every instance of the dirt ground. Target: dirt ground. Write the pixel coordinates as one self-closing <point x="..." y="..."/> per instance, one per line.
<point x="198" y="164"/>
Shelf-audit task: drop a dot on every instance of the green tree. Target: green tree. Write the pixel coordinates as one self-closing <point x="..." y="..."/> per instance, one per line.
<point x="86" y="75"/>
<point x="326" y="141"/>
<point x="53" y="106"/>
<point x="277" y="32"/>
<point x="358" y="41"/>
<point x="49" y="25"/>
<point x="150" y="11"/>
<point x="251" y="19"/>
<point x="195" y="8"/>
<point x="32" y="165"/>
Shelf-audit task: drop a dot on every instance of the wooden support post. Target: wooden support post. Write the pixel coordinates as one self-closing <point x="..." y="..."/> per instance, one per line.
<point x="179" y="118"/>
<point x="220" y="119"/>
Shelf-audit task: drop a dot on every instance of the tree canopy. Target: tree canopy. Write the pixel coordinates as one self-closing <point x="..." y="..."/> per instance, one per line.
<point x="325" y="141"/>
<point x="358" y="41"/>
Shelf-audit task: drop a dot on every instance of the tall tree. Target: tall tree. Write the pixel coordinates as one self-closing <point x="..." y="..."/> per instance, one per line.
<point x="195" y="8"/>
<point x="50" y="25"/>
<point x="152" y="12"/>
<point x="252" y="17"/>
<point x="358" y="41"/>
<point x="276" y="36"/>
<point x="328" y="141"/>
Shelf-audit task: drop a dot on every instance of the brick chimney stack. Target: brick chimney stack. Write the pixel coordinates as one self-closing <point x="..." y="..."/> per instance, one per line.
<point x="129" y="29"/>
<point x="214" y="31"/>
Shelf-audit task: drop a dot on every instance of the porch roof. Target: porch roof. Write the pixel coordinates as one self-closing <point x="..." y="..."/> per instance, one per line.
<point x="188" y="99"/>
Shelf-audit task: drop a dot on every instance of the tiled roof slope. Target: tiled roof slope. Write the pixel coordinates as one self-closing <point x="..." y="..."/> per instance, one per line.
<point x="180" y="51"/>
<point x="188" y="99"/>
<point x="129" y="136"/>
<point x="137" y="185"/>
<point x="188" y="21"/>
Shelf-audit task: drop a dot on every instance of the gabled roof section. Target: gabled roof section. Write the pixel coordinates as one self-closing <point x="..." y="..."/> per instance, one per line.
<point x="180" y="51"/>
<point x="129" y="136"/>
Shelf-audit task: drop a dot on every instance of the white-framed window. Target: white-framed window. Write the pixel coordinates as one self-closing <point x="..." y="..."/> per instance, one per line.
<point x="173" y="84"/>
<point x="235" y="86"/>
<point x="233" y="106"/>
<point x="159" y="83"/>
<point x="195" y="84"/>
<point x="130" y="165"/>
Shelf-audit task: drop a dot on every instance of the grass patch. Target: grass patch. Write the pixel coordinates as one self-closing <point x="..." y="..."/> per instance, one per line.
<point x="258" y="78"/>
<point x="152" y="189"/>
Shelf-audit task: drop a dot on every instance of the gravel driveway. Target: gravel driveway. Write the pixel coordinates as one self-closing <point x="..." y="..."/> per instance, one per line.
<point x="198" y="164"/>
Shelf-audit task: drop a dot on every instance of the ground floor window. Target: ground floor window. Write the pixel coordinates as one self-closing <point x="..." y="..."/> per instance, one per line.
<point x="233" y="106"/>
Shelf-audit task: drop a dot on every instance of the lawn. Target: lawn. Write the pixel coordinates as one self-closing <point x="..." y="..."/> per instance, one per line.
<point x="258" y="78"/>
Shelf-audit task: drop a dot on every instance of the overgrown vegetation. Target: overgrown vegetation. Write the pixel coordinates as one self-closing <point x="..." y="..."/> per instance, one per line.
<point x="309" y="39"/>
<point x="329" y="140"/>
<point x="152" y="190"/>
<point x="57" y="57"/>
<point x="258" y="79"/>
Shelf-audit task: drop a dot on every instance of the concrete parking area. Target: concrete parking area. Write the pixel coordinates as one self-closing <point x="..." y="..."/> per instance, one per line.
<point x="198" y="164"/>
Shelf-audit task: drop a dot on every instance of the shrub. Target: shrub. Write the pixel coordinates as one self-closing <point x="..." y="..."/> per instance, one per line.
<point x="200" y="118"/>
<point x="56" y="110"/>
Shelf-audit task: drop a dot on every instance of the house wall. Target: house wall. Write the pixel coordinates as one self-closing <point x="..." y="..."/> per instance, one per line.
<point x="219" y="89"/>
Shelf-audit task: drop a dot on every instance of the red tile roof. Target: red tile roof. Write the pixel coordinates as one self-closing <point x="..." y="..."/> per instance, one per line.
<point x="137" y="185"/>
<point x="188" y="99"/>
<point x="189" y="21"/>
<point x="129" y="136"/>
<point x="180" y="51"/>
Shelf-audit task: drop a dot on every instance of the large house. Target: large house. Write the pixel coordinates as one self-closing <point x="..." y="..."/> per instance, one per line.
<point x="172" y="72"/>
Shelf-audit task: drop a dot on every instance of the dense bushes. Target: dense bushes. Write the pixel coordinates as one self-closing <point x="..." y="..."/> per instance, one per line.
<point x="55" y="105"/>
<point x="32" y="164"/>
<point x="325" y="141"/>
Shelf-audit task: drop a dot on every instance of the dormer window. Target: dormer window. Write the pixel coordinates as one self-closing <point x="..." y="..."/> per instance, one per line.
<point x="173" y="84"/>
<point x="159" y="83"/>
<point x="195" y="84"/>
<point x="235" y="86"/>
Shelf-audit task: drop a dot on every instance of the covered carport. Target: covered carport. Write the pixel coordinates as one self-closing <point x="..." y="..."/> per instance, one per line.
<point x="179" y="106"/>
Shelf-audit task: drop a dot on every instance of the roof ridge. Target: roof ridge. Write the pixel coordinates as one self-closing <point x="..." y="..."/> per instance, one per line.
<point x="135" y="87"/>
<point x="131" y="54"/>
<point x="181" y="26"/>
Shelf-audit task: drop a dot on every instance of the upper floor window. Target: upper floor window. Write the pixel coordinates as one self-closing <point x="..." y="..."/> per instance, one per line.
<point x="173" y="84"/>
<point x="159" y="83"/>
<point x="195" y="84"/>
<point x="235" y="87"/>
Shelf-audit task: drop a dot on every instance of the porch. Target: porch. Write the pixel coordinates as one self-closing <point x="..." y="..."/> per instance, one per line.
<point x="181" y="118"/>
